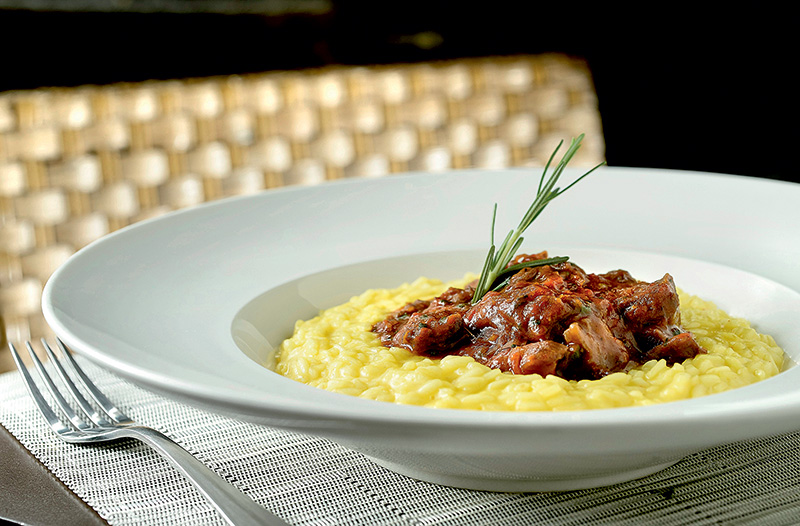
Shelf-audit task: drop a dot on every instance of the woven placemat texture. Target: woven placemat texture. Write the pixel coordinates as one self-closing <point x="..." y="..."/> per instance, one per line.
<point x="78" y="163"/>
<point x="311" y="481"/>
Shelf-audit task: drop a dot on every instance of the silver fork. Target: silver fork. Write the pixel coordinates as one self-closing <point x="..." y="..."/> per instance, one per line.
<point x="88" y="425"/>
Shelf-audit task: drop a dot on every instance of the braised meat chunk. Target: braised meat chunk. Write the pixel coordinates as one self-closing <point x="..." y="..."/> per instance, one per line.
<point x="550" y="319"/>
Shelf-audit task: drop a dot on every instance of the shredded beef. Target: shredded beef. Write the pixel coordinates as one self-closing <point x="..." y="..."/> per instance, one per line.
<point x="551" y="319"/>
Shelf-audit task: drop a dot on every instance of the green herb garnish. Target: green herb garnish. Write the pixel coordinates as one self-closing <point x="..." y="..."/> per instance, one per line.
<point x="497" y="260"/>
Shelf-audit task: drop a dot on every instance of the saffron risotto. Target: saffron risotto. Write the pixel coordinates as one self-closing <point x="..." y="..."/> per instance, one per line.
<point x="337" y="351"/>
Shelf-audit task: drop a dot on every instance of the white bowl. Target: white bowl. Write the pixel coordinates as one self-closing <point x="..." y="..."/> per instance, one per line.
<point x="192" y="304"/>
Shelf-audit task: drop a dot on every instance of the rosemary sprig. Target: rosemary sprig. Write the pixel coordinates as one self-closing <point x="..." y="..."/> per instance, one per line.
<point x="497" y="259"/>
<point x="505" y="275"/>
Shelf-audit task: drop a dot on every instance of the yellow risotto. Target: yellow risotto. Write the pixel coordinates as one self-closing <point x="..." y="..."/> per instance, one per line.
<point x="337" y="351"/>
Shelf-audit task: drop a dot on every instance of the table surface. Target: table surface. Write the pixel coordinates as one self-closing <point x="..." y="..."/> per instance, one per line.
<point x="30" y="494"/>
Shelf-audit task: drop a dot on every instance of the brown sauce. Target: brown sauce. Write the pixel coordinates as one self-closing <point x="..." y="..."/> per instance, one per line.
<point x="552" y="319"/>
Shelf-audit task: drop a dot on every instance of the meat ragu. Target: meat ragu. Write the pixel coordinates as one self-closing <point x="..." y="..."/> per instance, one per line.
<point x="552" y="319"/>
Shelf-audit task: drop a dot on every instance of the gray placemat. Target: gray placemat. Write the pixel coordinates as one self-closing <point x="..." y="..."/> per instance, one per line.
<point x="311" y="481"/>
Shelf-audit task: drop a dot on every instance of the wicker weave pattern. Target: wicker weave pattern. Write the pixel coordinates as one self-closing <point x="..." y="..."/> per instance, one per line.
<point x="78" y="163"/>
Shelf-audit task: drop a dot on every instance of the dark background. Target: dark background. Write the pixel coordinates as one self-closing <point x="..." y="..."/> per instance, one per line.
<point x="679" y="86"/>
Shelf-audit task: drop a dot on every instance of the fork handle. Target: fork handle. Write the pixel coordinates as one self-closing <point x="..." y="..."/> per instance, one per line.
<point x="236" y="507"/>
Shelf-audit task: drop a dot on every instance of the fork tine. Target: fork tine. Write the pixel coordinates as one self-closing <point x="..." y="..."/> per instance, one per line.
<point x="60" y="401"/>
<point x="94" y="415"/>
<point x="111" y="410"/>
<point x="52" y="419"/>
